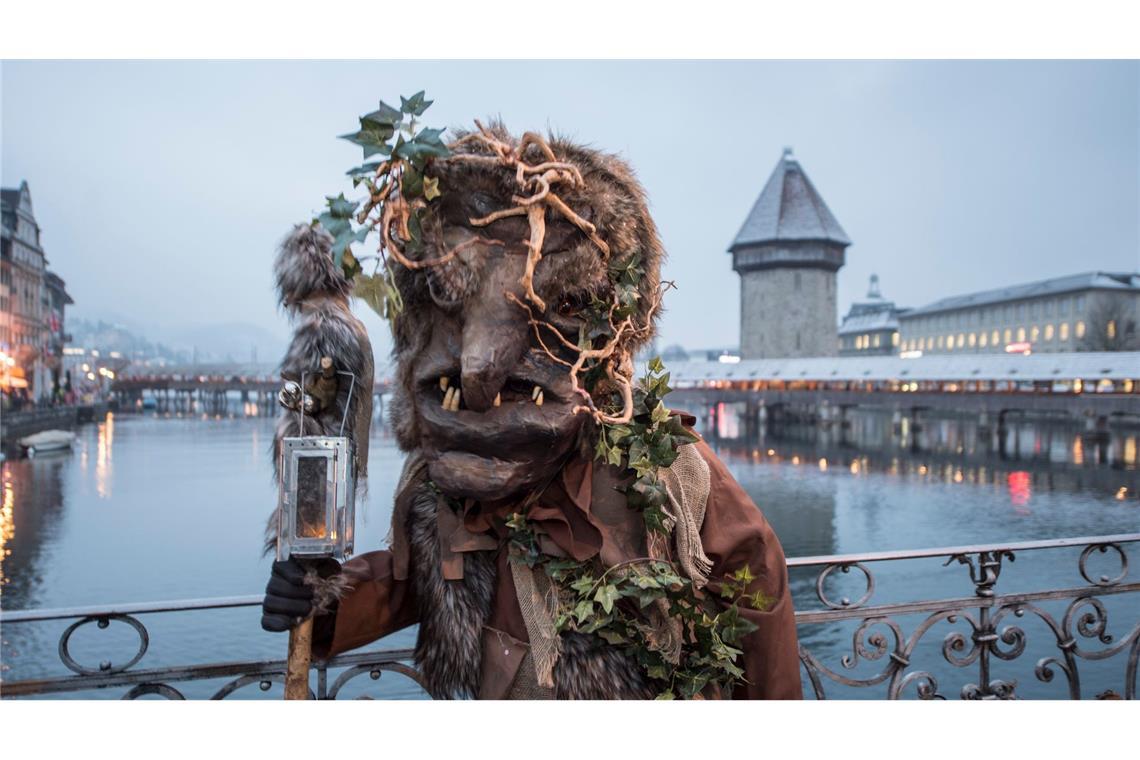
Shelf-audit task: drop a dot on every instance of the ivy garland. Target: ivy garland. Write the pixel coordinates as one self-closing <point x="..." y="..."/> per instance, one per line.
<point x="612" y="602"/>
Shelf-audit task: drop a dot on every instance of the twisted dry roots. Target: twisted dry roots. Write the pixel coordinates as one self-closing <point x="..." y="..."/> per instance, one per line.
<point x="536" y="183"/>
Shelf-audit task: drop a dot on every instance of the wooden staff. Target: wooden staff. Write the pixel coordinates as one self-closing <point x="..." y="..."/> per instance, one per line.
<point x="300" y="655"/>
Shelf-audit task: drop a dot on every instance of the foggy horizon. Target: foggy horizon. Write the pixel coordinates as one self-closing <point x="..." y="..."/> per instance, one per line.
<point x="164" y="187"/>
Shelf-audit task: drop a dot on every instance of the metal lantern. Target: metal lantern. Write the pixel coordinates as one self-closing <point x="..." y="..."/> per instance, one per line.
<point x="317" y="493"/>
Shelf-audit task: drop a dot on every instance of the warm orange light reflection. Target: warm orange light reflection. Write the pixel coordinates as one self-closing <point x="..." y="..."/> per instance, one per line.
<point x="7" y="522"/>
<point x="106" y="438"/>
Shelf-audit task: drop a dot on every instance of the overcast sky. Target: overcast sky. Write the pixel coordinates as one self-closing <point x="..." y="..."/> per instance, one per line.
<point x="163" y="188"/>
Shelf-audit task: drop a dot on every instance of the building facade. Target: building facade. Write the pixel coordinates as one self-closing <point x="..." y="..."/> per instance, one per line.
<point x="31" y="328"/>
<point x="787" y="254"/>
<point x="1091" y="311"/>
<point x="871" y="327"/>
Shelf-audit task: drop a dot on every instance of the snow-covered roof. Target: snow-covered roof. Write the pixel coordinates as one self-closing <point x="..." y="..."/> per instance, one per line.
<point x="1123" y="281"/>
<point x="871" y="321"/>
<point x="1118" y="365"/>
<point x="789" y="208"/>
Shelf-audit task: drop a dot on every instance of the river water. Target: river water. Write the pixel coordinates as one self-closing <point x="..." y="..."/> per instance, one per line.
<point x="149" y="508"/>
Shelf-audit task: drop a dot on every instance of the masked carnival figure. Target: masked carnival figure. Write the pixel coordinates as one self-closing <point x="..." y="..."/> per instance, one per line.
<point x="558" y="531"/>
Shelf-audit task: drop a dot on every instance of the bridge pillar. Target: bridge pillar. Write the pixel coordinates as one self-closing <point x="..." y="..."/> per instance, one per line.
<point x="985" y="432"/>
<point x="1096" y="434"/>
<point x="825" y="417"/>
<point x="916" y="427"/>
<point x="844" y="424"/>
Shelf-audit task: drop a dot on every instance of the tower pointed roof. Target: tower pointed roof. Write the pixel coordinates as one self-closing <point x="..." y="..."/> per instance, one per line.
<point x="789" y="208"/>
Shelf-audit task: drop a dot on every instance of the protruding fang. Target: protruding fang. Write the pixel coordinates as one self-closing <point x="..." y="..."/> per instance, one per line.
<point x="455" y="400"/>
<point x="447" y="399"/>
<point x="534" y="393"/>
<point x="444" y="381"/>
<point x="538" y="399"/>
<point x="498" y="399"/>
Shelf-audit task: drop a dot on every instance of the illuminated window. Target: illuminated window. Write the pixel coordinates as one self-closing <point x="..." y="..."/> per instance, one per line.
<point x="982" y="340"/>
<point x="1021" y="335"/>
<point x="1080" y="330"/>
<point x="1008" y="335"/>
<point x="1064" y="329"/>
<point x="1048" y="332"/>
<point x="961" y="340"/>
<point x="1034" y="333"/>
<point x="930" y="344"/>
<point x="894" y="339"/>
<point x="875" y="340"/>
<point x="1110" y="329"/>
<point x="972" y="339"/>
<point x="994" y="337"/>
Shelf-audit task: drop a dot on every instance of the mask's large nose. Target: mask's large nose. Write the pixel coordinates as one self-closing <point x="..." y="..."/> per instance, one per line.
<point x="495" y="337"/>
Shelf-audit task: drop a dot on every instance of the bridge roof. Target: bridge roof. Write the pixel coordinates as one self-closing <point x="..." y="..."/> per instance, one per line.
<point x="1118" y="365"/>
<point x="789" y="208"/>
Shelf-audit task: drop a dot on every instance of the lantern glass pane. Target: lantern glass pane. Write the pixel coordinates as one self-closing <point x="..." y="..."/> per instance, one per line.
<point x="312" y="494"/>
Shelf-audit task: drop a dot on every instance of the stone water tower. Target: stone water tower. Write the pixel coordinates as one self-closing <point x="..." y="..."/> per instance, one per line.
<point x="787" y="254"/>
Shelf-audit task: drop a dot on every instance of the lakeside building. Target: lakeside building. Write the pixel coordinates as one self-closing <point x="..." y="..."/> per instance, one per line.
<point x="32" y="310"/>
<point x="787" y="254"/>
<point x="871" y="327"/>
<point x="1090" y="311"/>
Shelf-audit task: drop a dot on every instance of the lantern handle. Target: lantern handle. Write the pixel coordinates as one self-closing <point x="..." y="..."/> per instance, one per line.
<point x="347" y="404"/>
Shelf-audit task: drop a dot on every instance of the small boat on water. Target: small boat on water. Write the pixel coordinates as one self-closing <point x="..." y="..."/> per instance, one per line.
<point x="48" y="440"/>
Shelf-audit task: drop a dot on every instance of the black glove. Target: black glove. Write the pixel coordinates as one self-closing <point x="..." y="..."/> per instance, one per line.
<point x="288" y="600"/>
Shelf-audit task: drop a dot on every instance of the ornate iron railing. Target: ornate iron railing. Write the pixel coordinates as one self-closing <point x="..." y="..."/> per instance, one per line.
<point x="990" y="636"/>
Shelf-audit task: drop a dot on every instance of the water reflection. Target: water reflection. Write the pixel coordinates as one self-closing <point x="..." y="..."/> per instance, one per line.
<point x="170" y="506"/>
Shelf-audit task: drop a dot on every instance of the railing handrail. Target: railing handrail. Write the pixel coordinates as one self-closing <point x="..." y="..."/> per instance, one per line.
<point x="182" y="605"/>
<point x="130" y="608"/>
<point x="947" y="551"/>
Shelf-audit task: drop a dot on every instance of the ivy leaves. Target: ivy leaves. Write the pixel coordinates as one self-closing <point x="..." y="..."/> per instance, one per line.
<point x="398" y="180"/>
<point x="337" y="221"/>
<point x="612" y="605"/>
<point x="648" y="442"/>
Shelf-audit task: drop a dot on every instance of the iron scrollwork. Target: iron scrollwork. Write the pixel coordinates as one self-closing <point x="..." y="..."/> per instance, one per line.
<point x="988" y="629"/>
<point x="102" y="622"/>
<point x="994" y="630"/>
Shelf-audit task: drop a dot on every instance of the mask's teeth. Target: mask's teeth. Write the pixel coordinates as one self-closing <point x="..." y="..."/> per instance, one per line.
<point x="538" y="399"/>
<point x="443" y="382"/>
<point x="534" y="392"/>
<point x="455" y="400"/>
<point x="498" y="399"/>
<point x="447" y="399"/>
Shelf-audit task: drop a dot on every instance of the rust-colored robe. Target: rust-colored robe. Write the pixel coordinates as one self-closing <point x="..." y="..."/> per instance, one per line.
<point x="581" y="515"/>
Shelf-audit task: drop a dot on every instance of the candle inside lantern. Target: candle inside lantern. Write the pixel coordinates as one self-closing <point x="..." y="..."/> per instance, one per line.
<point x="313" y="493"/>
